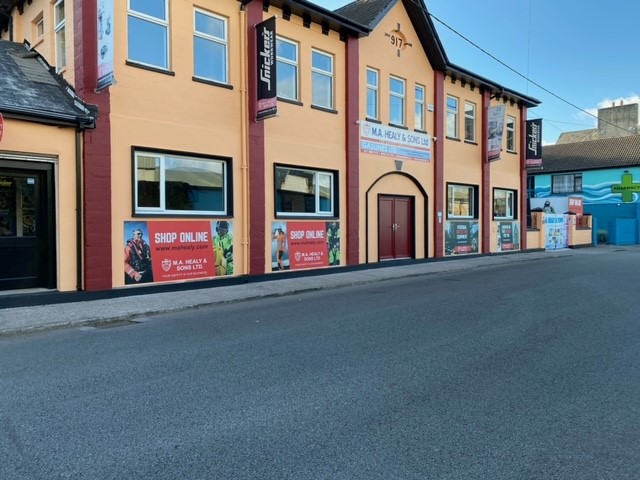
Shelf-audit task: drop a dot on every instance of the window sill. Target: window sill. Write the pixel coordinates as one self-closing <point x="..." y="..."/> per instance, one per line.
<point x="150" y="68"/>
<point x="470" y="142"/>
<point x="294" y="216"/>
<point x="395" y="125"/>
<point x="292" y="102"/>
<point x="512" y="152"/>
<point x="455" y="139"/>
<point x="212" y="83"/>
<point x="324" y="109"/>
<point x="373" y="120"/>
<point x="419" y="130"/>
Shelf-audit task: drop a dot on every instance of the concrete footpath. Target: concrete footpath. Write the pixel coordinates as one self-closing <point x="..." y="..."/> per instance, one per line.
<point x="75" y="310"/>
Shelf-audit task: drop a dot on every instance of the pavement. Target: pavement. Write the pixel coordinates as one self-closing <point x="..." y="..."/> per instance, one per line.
<point x="36" y="311"/>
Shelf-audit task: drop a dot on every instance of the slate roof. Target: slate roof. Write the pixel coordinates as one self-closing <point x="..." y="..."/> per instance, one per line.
<point x="30" y="89"/>
<point x="617" y="152"/>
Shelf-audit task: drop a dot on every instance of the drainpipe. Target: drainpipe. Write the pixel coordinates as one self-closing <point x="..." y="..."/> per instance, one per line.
<point x="244" y="138"/>
<point x="79" y="226"/>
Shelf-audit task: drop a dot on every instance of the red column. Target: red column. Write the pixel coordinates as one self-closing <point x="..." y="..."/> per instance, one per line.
<point x="523" y="177"/>
<point x="486" y="175"/>
<point x="438" y="147"/>
<point x="353" y="151"/>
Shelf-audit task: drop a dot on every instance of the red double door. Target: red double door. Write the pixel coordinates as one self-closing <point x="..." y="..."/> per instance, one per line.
<point x="396" y="227"/>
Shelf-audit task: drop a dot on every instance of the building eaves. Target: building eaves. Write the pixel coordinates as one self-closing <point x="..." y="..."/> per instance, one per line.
<point x="31" y="90"/>
<point x="617" y="152"/>
<point x="497" y="90"/>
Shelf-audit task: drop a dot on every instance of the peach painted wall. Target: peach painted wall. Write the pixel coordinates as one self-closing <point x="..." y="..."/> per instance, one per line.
<point x="58" y="146"/>
<point x="412" y="65"/>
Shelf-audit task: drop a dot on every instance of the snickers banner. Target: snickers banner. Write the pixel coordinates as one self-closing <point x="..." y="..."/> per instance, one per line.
<point x="266" y="69"/>
<point x="534" y="143"/>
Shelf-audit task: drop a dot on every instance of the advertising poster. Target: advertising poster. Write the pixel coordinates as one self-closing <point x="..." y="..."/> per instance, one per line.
<point x="496" y="131"/>
<point x="266" y="69"/>
<point x="461" y="237"/>
<point x="299" y="245"/>
<point x="105" y="43"/>
<point x="534" y="143"/>
<point x="557" y="229"/>
<point x="176" y="250"/>
<point x="394" y="142"/>
<point x="508" y="236"/>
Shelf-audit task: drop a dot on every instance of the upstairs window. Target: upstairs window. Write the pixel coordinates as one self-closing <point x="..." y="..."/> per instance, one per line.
<point x="511" y="134"/>
<point x="372" y="94"/>
<point x="469" y="122"/>
<point x="321" y="79"/>
<point x="287" y="69"/>
<point x="452" y="117"/>
<point x="181" y="185"/>
<point x="420" y="123"/>
<point x="148" y="32"/>
<point x="396" y="101"/>
<point x="59" y="21"/>
<point x="569" y="183"/>
<point x="210" y="47"/>
<point x="305" y="192"/>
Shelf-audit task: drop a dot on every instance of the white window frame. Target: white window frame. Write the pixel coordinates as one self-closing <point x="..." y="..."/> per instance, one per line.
<point x="373" y="93"/>
<point x="453" y="105"/>
<point x="469" y="121"/>
<point x="38" y="27"/>
<point x="162" y="209"/>
<point x="566" y="183"/>
<point x="455" y="191"/>
<point x="420" y="92"/>
<point x="511" y="133"/>
<point x="317" y="73"/>
<point x="328" y="177"/>
<point x="224" y="41"/>
<point x="509" y="197"/>
<point x="395" y="95"/>
<point x="60" y="34"/>
<point x="162" y="22"/>
<point x="295" y="63"/>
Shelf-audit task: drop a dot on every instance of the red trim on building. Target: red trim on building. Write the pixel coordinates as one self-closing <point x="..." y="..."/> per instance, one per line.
<point x="96" y="153"/>
<point x="353" y="151"/>
<point x="257" y="188"/>
<point x="438" y="167"/>
<point x="523" y="177"/>
<point x="486" y="175"/>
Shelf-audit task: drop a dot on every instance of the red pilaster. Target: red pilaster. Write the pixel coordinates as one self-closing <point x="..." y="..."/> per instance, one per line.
<point x="486" y="175"/>
<point x="523" y="177"/>
<point x="438" y="147"/>
<point x="353" y="151"/>
<point x="96" y="153"/>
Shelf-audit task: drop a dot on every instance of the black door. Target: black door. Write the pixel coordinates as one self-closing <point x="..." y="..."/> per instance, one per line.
<point x="27" y="237"/>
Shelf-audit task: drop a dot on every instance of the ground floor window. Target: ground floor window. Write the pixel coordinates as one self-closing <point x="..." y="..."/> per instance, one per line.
<point x="305" y="192"/>
<point x="170" y="183"/>
<point x="504" y="204"/>
<point x="462" y="201"/>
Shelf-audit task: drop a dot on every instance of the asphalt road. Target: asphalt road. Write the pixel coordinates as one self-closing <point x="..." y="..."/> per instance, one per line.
<point x="522" y="371"/>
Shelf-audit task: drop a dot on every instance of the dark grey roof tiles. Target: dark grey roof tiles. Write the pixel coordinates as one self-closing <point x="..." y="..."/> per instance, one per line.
<point x="614" y="152"/>
<point x="29" y="88"/>
<point x="366" y="12"/>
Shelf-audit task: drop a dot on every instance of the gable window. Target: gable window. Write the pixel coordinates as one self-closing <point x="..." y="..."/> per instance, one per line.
<point x="287" y="69"/>
<point x="469" y="122"/>
<point x="210" y="44"/>
<point x="504" y="204"/>
<point x="461" y="201"/>
<point x="419" y="108"/>
<point x="305" y="192"/>
<point x="372" y="94"/>
<point x="452" y="117"/>
<point x="511" y="134"/>
<point x="59" y="21"/>
<point x="569" y="183"/>
<point x="179" y="184"/>
<point x="148" y="32"/>
<point x="396" y="101"/>
<point x="321" y="79"/>
<point x="38" y="26"/>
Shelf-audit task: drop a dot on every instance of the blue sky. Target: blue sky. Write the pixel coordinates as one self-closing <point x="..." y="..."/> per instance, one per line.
<point x="583" y="52"/>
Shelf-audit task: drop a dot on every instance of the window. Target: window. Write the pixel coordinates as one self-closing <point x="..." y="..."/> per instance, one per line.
<point x="287" y="69"/>
<point x="396" y="101"/>
<point x="59" y="20"/>
<point x="372" y="94"/>
<point x="302" y="192"/>
<point x="452" y="117"/>
<point x="210" y="47"/>
<point x="321" y="79"/>
<point x="178" y="184"/>
<point x="419" y="108"/>
<point x="511" y="134"/>
<point x="469" y="122"/>
<point x="461" y="201"/>
<point x="571" y="183"/>
<point x="38" y="26"/>
<point x="504" y="204"/>
<point x="148" y="35"/>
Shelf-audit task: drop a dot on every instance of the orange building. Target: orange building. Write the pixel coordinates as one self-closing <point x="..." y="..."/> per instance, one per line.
<point x="245" y="137"/>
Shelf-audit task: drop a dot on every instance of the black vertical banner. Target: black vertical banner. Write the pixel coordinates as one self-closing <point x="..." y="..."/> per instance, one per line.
<point x="534" y="143"/>
<point x="266" y="69"/>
